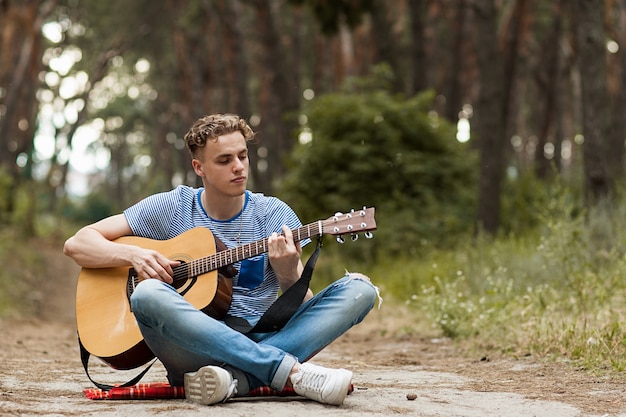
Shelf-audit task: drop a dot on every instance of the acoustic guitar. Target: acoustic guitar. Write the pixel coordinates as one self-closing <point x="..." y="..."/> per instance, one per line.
<point x="106" y="325"/>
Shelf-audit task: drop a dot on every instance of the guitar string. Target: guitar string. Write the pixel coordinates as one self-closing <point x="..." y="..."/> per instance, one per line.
<point x="183" y="271"/>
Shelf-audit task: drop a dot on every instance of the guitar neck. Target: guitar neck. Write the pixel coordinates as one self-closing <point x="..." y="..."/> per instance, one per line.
<point x="249" y="250"/>
<point x="352" y="223"/>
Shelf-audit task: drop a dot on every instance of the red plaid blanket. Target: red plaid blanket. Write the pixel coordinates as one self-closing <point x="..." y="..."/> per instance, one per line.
<point x="162" y="390"/>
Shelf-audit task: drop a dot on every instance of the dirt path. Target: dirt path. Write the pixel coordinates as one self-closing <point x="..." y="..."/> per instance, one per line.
<point x="41" y="375"/>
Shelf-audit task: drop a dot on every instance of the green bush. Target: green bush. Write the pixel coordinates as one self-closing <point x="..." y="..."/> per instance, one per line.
<point x="370" y="148"/>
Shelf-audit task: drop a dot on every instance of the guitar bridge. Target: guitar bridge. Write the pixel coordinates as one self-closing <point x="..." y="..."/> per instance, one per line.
<point x="131" y="284"/>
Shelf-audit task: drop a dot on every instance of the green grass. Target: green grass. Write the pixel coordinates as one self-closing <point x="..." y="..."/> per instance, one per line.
<point x="557" y="292"/>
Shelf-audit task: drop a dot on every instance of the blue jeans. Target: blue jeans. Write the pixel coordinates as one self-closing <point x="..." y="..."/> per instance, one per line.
<point x="185" y="339"/>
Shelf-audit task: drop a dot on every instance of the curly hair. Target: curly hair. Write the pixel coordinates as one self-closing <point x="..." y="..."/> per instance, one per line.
<point x="213" y="126"/>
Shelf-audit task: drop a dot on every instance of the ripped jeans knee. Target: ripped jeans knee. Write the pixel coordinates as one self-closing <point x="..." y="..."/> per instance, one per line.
<point x="370" y="290"/>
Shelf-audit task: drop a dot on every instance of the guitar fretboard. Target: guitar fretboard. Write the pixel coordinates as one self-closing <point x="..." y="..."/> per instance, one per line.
<point x="230" y="256"/>
<point x="349" y="223"/>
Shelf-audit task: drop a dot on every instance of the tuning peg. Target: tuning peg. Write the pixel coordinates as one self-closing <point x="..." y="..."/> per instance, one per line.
<point x="340" y="239"/>
<point x="354" y="236"/>
<point x="368" y="235"/>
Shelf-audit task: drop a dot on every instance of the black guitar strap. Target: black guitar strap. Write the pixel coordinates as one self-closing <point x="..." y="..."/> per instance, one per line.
<point x="84" y="357"/>
<point x="285" y="306"/>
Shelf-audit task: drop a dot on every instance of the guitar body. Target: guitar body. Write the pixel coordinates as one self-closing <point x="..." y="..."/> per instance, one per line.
<point x="106" y="325"/>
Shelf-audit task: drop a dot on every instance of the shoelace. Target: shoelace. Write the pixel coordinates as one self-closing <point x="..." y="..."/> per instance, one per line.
<point x="232" y="390"/>
<point x="311" y="380"/>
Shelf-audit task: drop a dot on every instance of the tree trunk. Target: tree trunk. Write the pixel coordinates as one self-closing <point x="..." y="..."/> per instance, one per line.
<point x="516" y="32"/>
<point x="234" y="55"/>
<point x="417" y="11"/>
<point x="489" y="116"/>
<point x="590" y="38"/>
<point x="452" y="88"/>
<point x="384" y="43"/>
<point x="548" y="80"/>
<point x="279" y="100"/>
<point x="618" y="92"/>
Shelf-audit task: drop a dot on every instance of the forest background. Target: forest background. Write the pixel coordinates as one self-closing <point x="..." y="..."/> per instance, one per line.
<point x="488" y="134"/>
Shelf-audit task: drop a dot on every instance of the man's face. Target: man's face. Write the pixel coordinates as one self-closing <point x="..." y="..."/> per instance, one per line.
<point x="223" y="165"/>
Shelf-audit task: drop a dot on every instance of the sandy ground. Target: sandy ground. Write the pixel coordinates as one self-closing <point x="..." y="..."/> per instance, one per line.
<point x="41" y="374"/>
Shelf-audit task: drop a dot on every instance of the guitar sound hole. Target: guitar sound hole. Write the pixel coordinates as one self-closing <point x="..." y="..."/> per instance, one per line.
<point x="182" y="282"/>
<point x="185" y="286"/>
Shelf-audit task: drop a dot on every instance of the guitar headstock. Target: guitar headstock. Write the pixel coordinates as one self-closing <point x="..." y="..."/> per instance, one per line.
<point x="352" y="223"/>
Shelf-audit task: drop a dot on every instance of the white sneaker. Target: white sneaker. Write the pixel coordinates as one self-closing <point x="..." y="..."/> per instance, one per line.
<point x="210" y="385"/>
<point x="325" y="385"/>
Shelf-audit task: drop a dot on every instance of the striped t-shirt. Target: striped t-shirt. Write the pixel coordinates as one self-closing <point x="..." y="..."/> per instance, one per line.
<point x="167" y="215"/>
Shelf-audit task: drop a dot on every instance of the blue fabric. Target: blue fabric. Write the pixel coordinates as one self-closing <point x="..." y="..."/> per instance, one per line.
<point x="251" y="272"/>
